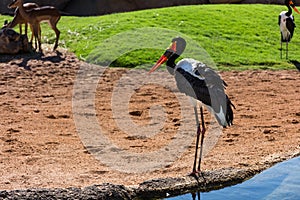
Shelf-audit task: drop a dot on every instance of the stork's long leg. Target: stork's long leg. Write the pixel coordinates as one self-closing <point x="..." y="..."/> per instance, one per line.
<point x="287" y="49"/>
<point x="198" y="136"/>
<point x="202" y="137"/>
<point x="280" y="49"/>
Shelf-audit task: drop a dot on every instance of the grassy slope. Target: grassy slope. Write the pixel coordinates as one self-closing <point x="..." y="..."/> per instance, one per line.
<point x="235" y="36"/>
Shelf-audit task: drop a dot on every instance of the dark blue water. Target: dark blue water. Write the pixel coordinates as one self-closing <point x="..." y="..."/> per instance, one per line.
<point x="281" y="181"/>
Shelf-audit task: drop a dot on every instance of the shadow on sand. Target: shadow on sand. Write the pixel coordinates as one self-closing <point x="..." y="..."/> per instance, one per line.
<point x="54" y="57"/>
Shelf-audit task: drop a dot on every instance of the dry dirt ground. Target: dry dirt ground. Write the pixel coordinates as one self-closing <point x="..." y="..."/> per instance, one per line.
<point x="40" y="145"/>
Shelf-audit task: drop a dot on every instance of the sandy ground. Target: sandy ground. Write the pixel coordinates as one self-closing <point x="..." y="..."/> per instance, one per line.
<point x="40" y="145"/>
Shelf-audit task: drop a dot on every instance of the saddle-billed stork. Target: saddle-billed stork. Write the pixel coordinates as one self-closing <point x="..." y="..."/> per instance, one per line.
<point x="287" y="25"/>
<point x="200" y="82"/>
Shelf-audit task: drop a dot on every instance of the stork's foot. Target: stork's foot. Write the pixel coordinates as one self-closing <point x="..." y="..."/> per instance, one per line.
<point x="195" y="173"/>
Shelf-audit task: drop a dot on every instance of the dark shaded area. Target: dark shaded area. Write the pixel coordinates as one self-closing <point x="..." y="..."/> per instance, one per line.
<point x="296" y="63"/>
<point x="60" y="4"/>
<point x="94" y="7"/>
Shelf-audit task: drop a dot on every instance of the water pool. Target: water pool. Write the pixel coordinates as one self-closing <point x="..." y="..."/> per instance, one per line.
<point x="282" y="181"/>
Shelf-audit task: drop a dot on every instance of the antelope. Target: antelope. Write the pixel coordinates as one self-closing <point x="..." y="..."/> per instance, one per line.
<point x="18" y="19"/>
<point x="37" y="15"/>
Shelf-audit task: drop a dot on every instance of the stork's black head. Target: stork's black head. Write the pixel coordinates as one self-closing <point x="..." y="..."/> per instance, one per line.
<point x="173" y="51"/>
<point x="292" y="4"/>
<point x="180" y="45"/>
<point x="289" y="2"/>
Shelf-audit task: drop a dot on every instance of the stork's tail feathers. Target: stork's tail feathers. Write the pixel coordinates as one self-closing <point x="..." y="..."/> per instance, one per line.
<point x="225" y="116"/>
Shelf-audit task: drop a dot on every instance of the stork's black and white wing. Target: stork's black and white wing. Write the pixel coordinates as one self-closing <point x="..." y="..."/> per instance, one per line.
<point x="189" y="83"/>
<point x="220" y="103"/>
<point x="287" y="26"/>
<point x="290" y="25"/>
<point x="199" y="81"/>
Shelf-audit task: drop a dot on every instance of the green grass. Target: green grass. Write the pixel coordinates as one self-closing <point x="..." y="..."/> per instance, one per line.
<point x="234" y="36"/>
